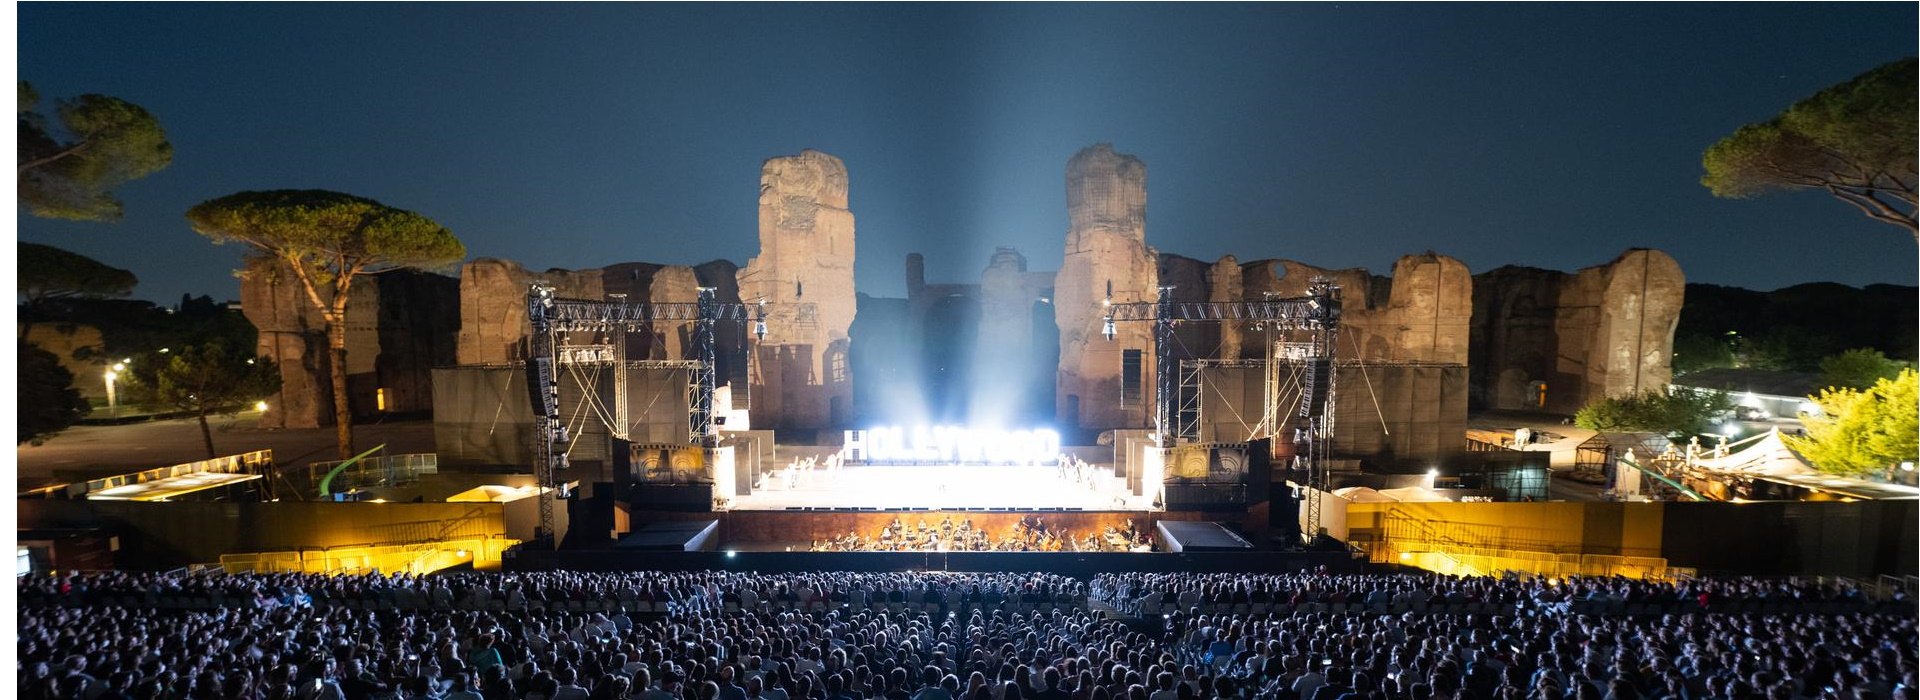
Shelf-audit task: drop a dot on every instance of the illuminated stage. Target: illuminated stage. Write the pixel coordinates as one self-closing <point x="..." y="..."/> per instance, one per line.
<point x="943" y="487"/>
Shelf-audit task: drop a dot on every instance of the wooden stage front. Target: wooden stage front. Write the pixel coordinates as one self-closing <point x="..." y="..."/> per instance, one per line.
<point x="764" y="529"/>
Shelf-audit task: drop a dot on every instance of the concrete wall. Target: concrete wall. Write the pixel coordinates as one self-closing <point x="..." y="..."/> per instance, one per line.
<point x="1389" y="417"/>
<point x="482" y="415"/>
<point x="1862" y="539"/>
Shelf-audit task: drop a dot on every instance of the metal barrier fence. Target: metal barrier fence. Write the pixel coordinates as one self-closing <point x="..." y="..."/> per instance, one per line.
<point x="373" y="472"/>
<point x="415" y="547"/>
<point x="416" y="558"/>
<point x="256" y="462"/>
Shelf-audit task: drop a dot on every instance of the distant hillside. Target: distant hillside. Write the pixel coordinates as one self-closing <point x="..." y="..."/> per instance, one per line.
<point x="1793" y="327"/>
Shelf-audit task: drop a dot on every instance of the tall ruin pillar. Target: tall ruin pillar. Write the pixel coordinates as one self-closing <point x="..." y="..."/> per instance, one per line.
<point x="800" y="375"/>
<point x="1105" y="383"/>
<point x="1006" y="311"/>
<point x="293" y="335"/>
<point x="1632" y="351"/>
<point x="1224" y="284"/>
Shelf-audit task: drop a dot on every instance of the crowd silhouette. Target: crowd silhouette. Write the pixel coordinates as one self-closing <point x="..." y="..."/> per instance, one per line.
<point x="954" y="636"/>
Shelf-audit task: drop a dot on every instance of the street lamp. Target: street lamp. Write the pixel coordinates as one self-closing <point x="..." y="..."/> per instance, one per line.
<point x="113" y="373"/>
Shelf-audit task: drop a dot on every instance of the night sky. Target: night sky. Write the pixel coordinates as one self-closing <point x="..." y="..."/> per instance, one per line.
<point x="1339" y="135"/>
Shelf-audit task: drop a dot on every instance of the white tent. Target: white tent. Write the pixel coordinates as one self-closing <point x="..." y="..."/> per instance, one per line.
<point x="493" y="494"/>
<point x="1767" y="456"/>
<point x="1415" y="494"/>
<point x="1363" y="494"/>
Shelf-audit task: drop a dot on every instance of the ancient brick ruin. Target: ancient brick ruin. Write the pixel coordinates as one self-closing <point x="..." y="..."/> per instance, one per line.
<point x="1551" y="341"/>
<point x="400" y="325"/>
<point x="1105" y="383"/>
<point x="804" y="274"/>
<point x="1415" y="348"/>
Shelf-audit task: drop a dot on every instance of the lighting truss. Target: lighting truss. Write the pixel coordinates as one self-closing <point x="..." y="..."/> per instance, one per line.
<point x="1318" y="312"/>
<point x="548" y="316"/>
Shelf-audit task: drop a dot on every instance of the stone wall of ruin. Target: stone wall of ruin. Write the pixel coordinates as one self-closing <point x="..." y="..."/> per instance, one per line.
<point x="1603" y="331"/>
<point x="292" y="334"/>
<point x="1419" y="314"/>
<point x="1107" y="256"/>
<point x="1403" y="344"/>
<point x="804" y="273"/>
<point x="493" y="306"/>
<point x="400" y="325"/>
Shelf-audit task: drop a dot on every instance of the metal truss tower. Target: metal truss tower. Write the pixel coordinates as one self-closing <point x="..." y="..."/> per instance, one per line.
<point x="548" y="317"/>
<point x="1176" y="410"/>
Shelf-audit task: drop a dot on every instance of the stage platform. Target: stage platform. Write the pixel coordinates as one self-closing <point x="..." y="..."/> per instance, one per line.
<point x="941" y="487"/>
<point x="1071" y="564"/>
<point x="1179" y="536"/>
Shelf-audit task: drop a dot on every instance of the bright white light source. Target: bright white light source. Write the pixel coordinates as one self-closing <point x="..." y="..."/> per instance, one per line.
<point x="259" y="405"/>
<point x="731" y="553"/>
<point x="952" y="444"/>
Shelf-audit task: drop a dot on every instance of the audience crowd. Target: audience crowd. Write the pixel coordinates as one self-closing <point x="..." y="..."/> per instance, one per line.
<point x="949" y="636"/>
<point x="1144" y="593"/>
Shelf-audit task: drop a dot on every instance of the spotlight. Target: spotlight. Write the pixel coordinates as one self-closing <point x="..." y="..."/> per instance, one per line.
<point x="731" y="554"/>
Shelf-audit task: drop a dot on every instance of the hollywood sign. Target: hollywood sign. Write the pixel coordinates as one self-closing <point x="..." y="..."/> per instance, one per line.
<point x="952" y="444"/>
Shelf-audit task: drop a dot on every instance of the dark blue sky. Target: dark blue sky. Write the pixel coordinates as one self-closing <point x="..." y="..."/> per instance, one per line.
<point x="1338" y="135"/>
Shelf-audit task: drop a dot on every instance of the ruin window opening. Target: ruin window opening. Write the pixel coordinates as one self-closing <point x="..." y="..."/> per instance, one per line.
<point x="1130" y="371"/>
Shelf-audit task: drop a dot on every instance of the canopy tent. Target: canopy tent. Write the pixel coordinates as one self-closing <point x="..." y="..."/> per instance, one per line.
<point x="1363" y="494"/>
<point x="1411" y="494"/>
<point x="1415" y="494"/>
<point x="1768" y="455"/>
<point x="493" y="494"/>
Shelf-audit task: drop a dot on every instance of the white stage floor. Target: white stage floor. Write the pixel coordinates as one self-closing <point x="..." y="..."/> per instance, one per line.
<point x="943" y="487"/>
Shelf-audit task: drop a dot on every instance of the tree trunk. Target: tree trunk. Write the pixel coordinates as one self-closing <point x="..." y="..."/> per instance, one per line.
<point x="337" y="363"/>
<point x="206" y="434"/>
